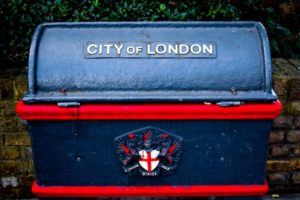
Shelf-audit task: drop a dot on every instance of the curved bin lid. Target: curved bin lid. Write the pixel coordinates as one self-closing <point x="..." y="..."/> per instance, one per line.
<point x="150" y="62"/>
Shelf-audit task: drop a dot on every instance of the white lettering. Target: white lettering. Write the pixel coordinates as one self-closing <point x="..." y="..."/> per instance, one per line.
<point x="149" y="52"/>
<point x="195" y="48"/>
<point x="173" y="49"/>
<point x="161" y="49"/>
<point x="130" y="50"/>
<point x="108" y="46"/>
<point x="118" y="48"/>
<point x="91" y="49"/>
<point x="181" y="49"/>
<point x="100" y="49"/>
<point x="208" y="49"/>
<point x="138" y="50"/>
<point x="155" y="49"/>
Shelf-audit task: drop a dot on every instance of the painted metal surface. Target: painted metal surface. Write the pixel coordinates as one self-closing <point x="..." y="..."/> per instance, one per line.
<point x="225" y="61"/>
<point x="148" y="111"/>
<point x="216" y="152"/>
<point x="153" y="191"/>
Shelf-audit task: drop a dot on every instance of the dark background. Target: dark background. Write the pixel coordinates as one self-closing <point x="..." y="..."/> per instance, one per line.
<point x="19" y="18"/>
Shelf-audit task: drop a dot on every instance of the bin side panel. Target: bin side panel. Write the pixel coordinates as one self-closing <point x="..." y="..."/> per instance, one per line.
<point x="215" y="152"/>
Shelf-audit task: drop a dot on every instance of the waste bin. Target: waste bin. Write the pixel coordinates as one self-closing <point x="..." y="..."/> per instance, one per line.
<point x="149" y="109"/>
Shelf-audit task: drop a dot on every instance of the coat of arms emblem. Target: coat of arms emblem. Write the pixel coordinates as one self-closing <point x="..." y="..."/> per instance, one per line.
<point x="149" y="151"/>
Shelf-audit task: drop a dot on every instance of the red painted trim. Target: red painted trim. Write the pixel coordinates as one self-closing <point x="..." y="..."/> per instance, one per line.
<point x="45" y="112"/>
<point x="152" y="191"/>
<point x="148" y="111"/>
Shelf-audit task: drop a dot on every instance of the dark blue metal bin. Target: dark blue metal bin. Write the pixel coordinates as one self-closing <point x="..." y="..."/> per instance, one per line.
<point x="149" y="109"/>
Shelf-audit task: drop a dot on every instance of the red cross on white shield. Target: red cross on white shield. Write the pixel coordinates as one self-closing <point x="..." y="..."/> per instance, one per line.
<point x="149" y="160"/>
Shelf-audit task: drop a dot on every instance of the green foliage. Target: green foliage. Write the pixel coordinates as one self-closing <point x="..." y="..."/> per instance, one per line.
<point x="19" y="18"/>
<point x="282" y="21"/>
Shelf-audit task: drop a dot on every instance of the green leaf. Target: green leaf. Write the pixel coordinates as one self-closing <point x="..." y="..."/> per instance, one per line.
<point x="162" y="7"/>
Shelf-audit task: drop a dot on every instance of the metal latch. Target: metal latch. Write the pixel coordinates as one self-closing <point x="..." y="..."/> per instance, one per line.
<point x="68" y="104"/>
<point x="229" y="103"/>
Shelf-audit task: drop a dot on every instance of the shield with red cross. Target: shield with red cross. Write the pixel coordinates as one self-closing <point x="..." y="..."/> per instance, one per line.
<point x="149" y="151"/>
<point x="148" y="160"/>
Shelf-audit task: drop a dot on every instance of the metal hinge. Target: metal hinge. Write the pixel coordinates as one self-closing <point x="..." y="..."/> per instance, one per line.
<point x="68" y="104"/>
<point x="229" y="103"/>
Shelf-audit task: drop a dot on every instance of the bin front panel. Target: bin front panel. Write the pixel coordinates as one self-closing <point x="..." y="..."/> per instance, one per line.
<point x="173" y="61"/>
<point x="215" y="152"/>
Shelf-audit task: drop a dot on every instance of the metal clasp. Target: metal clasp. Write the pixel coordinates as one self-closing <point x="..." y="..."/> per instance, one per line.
<point x="68" y="104"/>
<point x="229" y="103"/>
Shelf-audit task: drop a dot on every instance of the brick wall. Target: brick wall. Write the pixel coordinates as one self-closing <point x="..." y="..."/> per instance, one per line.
<point x="16" y="166"/>
<point x="283" y="165"/>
